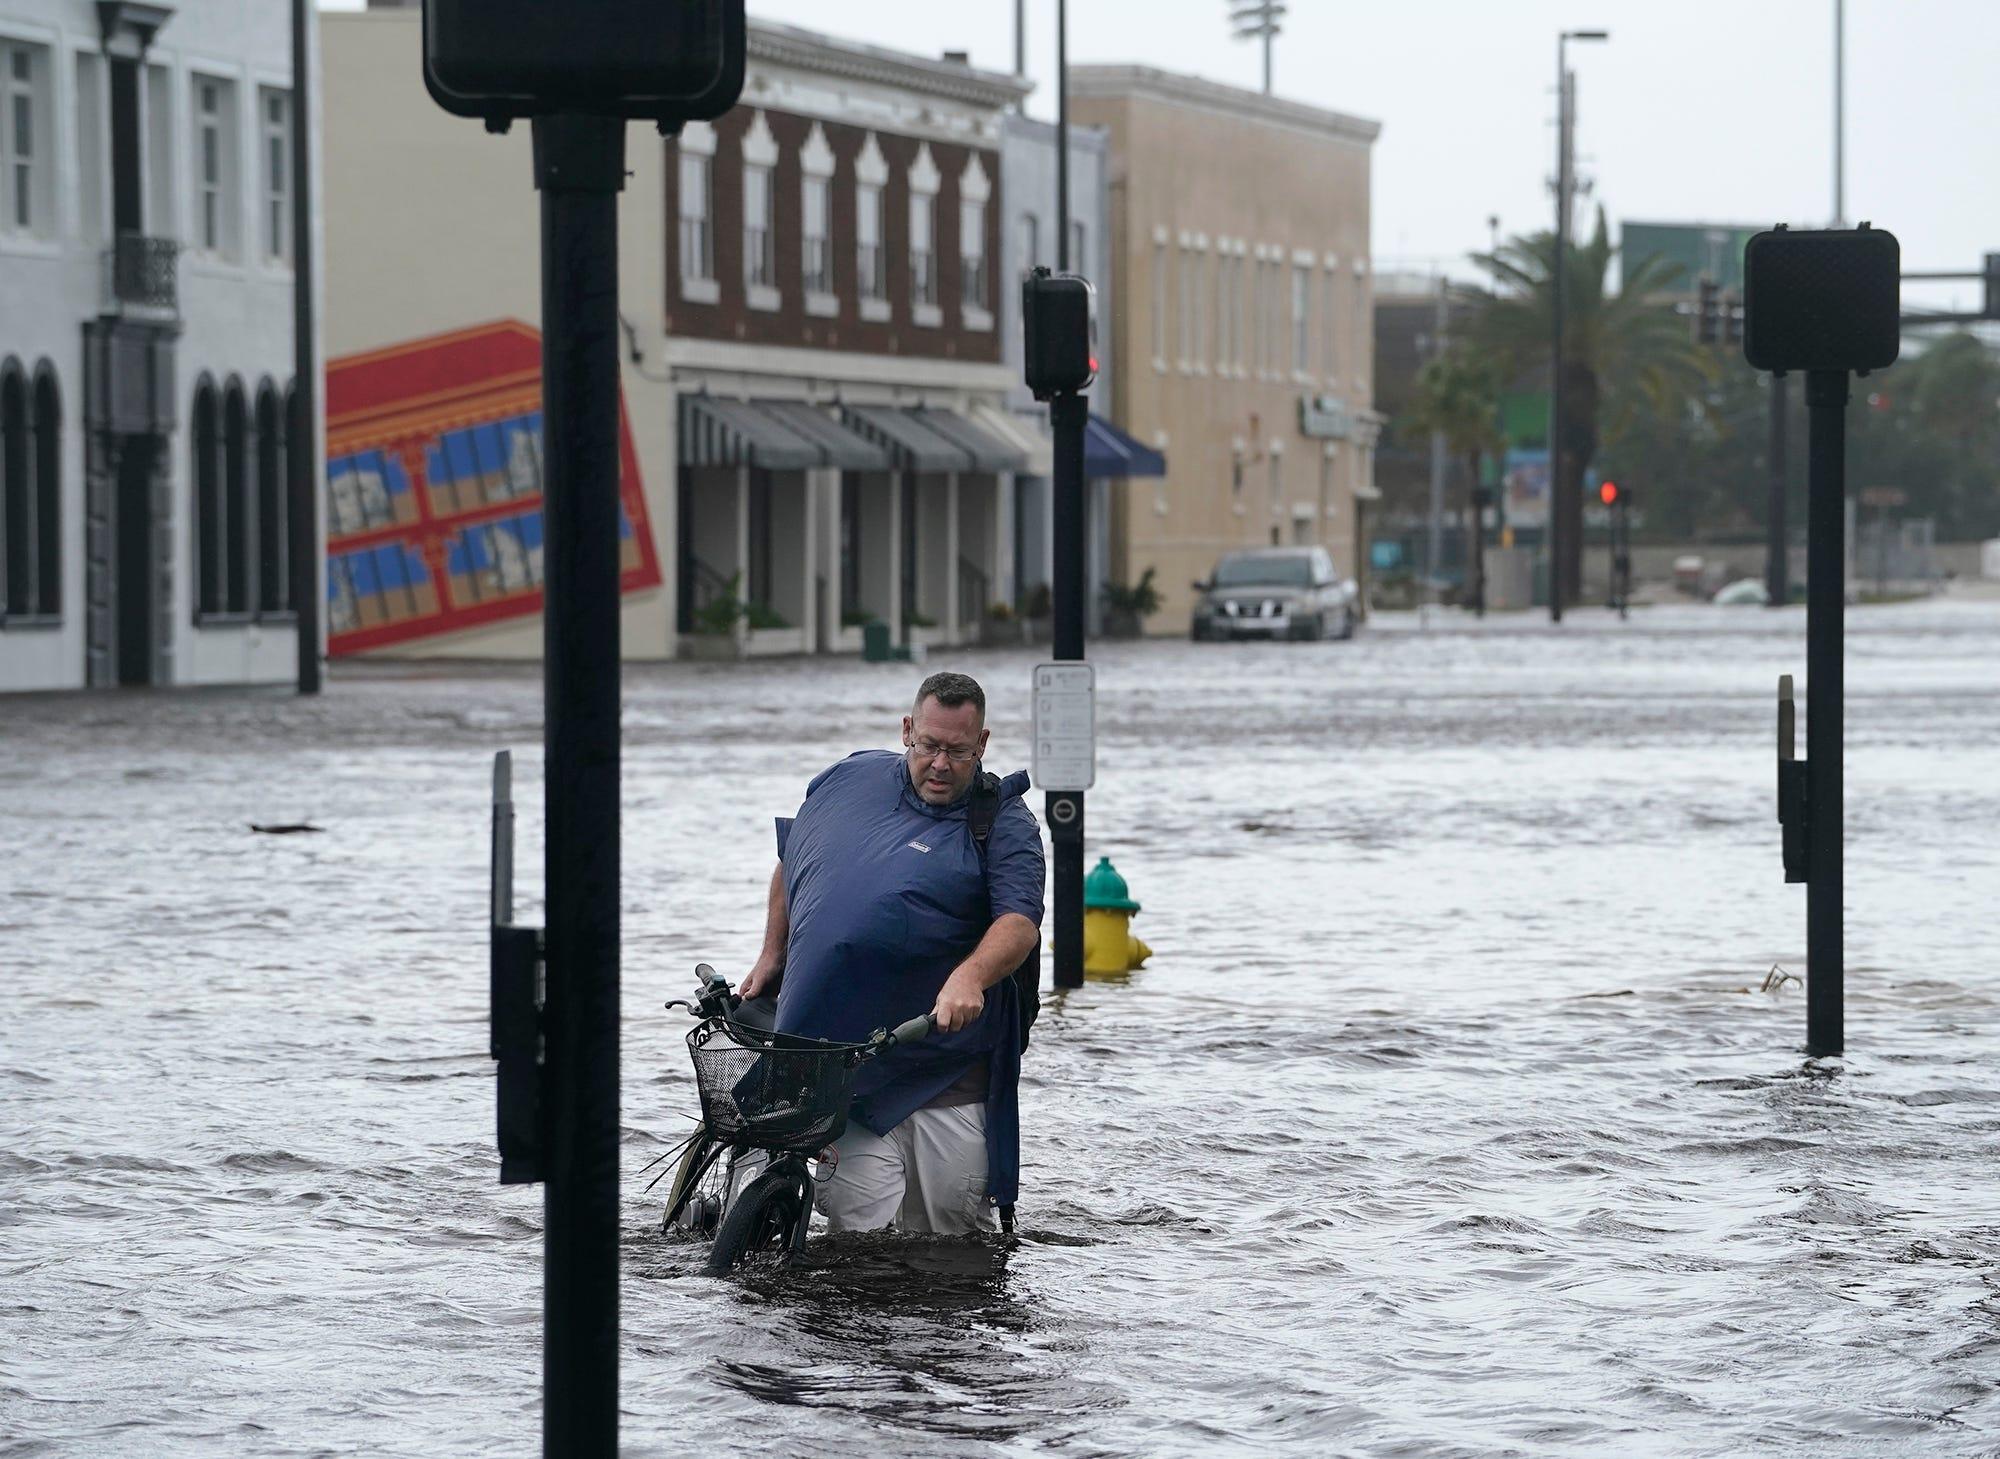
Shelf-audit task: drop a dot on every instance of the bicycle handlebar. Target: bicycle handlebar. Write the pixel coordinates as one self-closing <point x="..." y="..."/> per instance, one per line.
<point x="914" y="1031"/>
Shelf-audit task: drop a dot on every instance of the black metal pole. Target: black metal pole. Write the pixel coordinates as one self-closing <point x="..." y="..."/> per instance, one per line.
<point x="579" y="169"/>
<point x="302" y="553"/>
<point x="1776" y="569"/>
<point x="1062" y="146"/>
<point x="1068" y="414"/>
<point x="1826" y="605"/>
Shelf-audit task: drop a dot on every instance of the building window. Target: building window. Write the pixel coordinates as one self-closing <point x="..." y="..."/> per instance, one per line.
<point x="816" y="168"/>
<point x="695" y="206"/>
<point x="1225" y="313"/>
<point x="215" y="166"/>
<point x="697" y="236"/>
<point x="30" y="496"/>
<point x="273" y="550"/>
<point x="1301" y="319"/>
<point x="818" y="250"/>
<point x="1330" y="326"/>
<point x="923" y="250"/>
<point x="205" y="443"/>
<point x="24" y="203"/>
<point x="239" y="509"/>
<point x="871" y="258"/>
<point x="48" y="495"/>
<point x="760" y="265"/>
<point x="870" y="263"/>
<point x="92" y="169"/>
<point x="972" y="255"/>
<point x="163" y="169"/>
<point x="1159" y="303"/>
<point x="925" y="181"/>
<point x="277" y="121"/>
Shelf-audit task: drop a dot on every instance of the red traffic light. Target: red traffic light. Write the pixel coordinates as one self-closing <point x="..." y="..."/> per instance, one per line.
<point x="1608" y="493"/>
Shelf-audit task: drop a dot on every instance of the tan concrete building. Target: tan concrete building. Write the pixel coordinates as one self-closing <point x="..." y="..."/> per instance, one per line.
<point x="1242" y="319"/>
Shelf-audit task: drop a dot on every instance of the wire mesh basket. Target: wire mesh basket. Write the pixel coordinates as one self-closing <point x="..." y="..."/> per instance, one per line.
<point x="772" y="1091"/>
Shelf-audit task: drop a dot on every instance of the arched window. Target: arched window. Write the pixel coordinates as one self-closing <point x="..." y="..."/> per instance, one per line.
<point x="17" y="486"/>
<point x="273" y="577"/>
<point x="238" y="505"/>
<point x="48" y="492"/>
<point x="205" y="441"/>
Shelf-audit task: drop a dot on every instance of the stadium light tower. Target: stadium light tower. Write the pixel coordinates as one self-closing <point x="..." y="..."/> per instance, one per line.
<point x="1258" y="20"/>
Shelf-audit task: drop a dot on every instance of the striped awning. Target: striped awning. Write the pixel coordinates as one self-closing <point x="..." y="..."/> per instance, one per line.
<point x="839" y="446"/>
<point x="717" y="432"/>
<point x="912" y="445"/>
<point x="989" y="452"/>
<point x="1029" y="435"/>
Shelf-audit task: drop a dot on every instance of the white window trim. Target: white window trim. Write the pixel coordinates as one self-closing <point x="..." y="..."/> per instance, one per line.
<point x="760" y="149"/>
<point x="926" y="182"/>
<point x="698" y="140"/>
<point x="1301" y="317"/>
<point x="1160" y="284"/>
<point x="229" y="255"/>
<point x="279" y="263"/>
<point x="871" y="169"/>
<point x="46" y="92"/>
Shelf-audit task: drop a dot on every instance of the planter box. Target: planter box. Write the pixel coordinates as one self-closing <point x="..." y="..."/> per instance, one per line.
<point x="1001" y="632"/>
<point x="711" y="647"/>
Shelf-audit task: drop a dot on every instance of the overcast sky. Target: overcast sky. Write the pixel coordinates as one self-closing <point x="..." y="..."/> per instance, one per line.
<point x="1695" y="110"/>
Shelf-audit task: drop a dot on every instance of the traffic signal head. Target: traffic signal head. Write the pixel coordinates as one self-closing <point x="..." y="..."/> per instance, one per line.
<point x="1608" y="493"/>
<point x="1705" y="312"/>
<point x="1822" y="299"/>
<point x="1059" y="321"/>
<point x="664" y="62"/>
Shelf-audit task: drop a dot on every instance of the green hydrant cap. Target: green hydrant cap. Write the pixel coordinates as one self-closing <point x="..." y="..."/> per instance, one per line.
<point x="1104" y="888"/>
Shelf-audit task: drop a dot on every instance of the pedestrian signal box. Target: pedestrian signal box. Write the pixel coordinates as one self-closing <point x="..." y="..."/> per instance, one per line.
<point x="1059" y="320"/>
<point x="1822" y="299"/>
<point x="668" y="61"/>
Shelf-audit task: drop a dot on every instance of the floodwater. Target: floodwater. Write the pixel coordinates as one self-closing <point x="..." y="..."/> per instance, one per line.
<point x="1451" y="1116"/>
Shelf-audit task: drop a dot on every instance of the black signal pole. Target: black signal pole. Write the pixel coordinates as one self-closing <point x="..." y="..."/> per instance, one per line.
<point x="1826" y="607"/>
<point x="579" y="170"/>
<point x="302" y="545"/>
<point x="1776" y="569"/>
<point x="1068" y="414"/>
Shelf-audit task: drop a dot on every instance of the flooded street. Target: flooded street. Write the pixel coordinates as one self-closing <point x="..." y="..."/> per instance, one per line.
<point x="1450" y="1116"/>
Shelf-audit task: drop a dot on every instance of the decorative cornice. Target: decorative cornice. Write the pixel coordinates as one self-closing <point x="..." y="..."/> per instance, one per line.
<point x="1192" y="91"/>
<point x="790" y="45"/>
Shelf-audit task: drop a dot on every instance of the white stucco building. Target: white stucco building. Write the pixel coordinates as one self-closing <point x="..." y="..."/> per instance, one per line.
<point x="146" y="345"/>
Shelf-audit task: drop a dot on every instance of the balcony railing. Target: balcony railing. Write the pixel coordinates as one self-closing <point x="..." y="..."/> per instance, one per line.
<point x="143" y="275"/>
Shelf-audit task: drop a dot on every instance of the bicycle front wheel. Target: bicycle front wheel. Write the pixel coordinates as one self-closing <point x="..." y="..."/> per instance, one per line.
<point x="762" y="1218"/>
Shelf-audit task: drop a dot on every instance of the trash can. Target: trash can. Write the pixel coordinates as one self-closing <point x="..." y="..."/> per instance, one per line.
<point x="875" y="642"/>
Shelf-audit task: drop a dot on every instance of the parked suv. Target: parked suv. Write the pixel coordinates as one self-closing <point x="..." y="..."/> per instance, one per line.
<point x="1275" y="592"/>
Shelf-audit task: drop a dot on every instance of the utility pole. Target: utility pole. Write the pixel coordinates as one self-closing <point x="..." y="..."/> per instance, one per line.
<point x="1062" y="137"/>
<point x="1020" y="38"/>
<point x="1840" y="113"/>
<point x="1259" y="20"/>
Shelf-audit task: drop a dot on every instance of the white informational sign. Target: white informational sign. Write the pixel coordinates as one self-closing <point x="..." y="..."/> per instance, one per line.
<point x="1065" y="726"/>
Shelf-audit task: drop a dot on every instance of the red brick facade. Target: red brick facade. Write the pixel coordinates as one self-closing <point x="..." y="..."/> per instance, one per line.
<point x="730" y="318"/>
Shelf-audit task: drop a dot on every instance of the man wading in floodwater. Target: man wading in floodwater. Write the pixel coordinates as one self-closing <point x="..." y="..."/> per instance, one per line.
<point x="882" y="907"/>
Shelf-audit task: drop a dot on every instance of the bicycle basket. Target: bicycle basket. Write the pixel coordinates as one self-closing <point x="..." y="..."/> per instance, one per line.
<point x="771" y="1091"/>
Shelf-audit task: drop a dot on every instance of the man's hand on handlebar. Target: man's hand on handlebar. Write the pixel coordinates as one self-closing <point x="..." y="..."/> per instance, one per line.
<point x="761" y="979"/>
<point x="959" y="1002"/>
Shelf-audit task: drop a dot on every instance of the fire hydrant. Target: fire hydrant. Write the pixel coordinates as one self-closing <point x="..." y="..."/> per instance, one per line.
<point x="1108" y="943"/>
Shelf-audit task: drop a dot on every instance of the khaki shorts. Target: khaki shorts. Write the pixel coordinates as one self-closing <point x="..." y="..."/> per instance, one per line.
<point x="928" y="1174"/>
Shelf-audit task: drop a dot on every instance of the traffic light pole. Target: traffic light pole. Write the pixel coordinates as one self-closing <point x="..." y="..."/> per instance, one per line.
<point x="1068" y="414"/>
<point x="1776" y="569"/>
<point x="1826" y="606"/>
<point x="579" y="170"/>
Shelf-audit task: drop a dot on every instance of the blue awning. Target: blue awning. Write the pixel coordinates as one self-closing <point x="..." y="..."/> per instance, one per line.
<point x="1108" y="451"/>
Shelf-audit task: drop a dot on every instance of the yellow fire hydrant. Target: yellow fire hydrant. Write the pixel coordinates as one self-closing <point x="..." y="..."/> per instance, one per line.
<point x="1108" y="943"/>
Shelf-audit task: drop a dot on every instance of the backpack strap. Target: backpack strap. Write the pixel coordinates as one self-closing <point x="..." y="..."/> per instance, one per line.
<point x="981" y="810"/>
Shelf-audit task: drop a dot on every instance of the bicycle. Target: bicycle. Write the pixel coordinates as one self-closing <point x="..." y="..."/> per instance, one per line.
<point x="762" y="1092"/>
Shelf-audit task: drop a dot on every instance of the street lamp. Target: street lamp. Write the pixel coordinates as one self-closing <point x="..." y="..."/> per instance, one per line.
<point x="1565" y="165"/>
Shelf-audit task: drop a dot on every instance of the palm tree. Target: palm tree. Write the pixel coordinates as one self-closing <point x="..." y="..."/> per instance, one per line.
<point x="1624" y="354"/>
<point x="1458" y="397"/>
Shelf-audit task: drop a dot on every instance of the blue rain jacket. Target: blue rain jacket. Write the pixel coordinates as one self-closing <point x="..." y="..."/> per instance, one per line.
<point x="885" y="896"/>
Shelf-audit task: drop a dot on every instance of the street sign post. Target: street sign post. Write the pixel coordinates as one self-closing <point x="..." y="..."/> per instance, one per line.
<point x="1059" y="327"/>
<point x="1825" y="302"/>
<point x="579" y="70"/>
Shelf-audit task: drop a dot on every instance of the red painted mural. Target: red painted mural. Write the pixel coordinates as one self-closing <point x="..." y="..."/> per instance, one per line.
<point x="434" y="489"/>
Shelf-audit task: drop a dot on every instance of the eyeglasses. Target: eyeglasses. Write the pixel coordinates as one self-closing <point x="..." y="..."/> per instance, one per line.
<point x="928" y="750"/>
